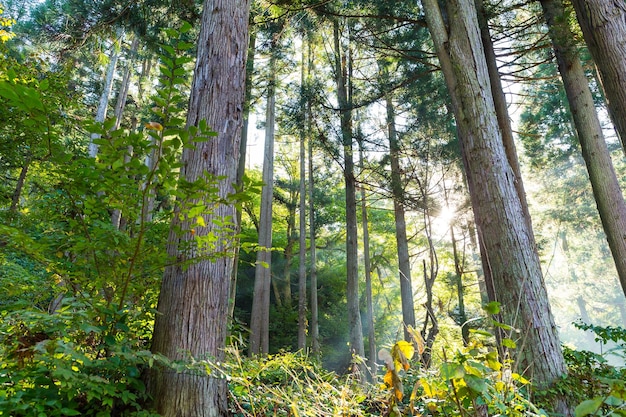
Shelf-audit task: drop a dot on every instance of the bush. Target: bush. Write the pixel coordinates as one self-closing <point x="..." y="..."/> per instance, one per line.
<point x="74" y="362"/>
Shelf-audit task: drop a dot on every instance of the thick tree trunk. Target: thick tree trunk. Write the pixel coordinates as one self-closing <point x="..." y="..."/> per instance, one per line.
<point x="508" y="241"/>
<point x="352" y="266"/>
<point x="603" y="23"/>
<point x="404" y="261"/>
<point x="606" y="189"/>
<point x="502" y="112"/>
<point x="193" y="303"/>
<point x="260" y="319"/>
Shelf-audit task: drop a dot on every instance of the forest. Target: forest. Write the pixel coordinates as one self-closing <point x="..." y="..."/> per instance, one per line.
<point x="312" y="208"/>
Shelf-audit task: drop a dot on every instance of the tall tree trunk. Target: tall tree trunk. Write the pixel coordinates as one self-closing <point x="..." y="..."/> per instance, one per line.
<point x="193" y="303"/>
<point x="122" y="94"/>
<point x="241" y="164"/>
<point x="260" y="319"/>
<point x="504" y="232"/>
<point x="402" y="244"/>
<point x="606" y="189"/>
<point x="302" y="321"/>
<point x="315" y="335"/>
<point x="103" y="104"/>
<point x="285" y="284"/>
<point x="352" y="266"/>
<point x="502" y="112"/>
<point x="371" y="340"/>
<point x="120" y="105"/>
<point x="603" y="23"/>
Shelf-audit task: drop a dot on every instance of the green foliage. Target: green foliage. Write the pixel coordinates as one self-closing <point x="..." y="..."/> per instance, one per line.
<point x="597" y="387"/>
<point x="63" y="365"/>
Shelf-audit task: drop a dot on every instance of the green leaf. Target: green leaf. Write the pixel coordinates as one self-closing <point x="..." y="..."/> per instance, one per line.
<point x="492" y="307"/>
<point x="588" y="407"/>
<point x="475" y="383"/>
<point x="509" y="343"/>
<point x="452" y="370"/>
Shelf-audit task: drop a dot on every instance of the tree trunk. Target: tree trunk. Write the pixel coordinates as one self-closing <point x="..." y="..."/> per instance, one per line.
<point x="606" y="189"/>
<point x="122" y="95"/>
<point x="103" y="104"/>
<point x="404" y="261"/>
<point x="19" y="186"/>
<point x="193" y="303"/>
<point x="352" y="266"/>
<point x="302" y="322"/>
<point x="241" y="165"/>
<point x="603" y="23"/>
<point x="508" y="241"/>
<point x="502" y="113"/>
<point x="315" y="335"/>
<point x="260" y="319"/>
<point x="371" y="340"/>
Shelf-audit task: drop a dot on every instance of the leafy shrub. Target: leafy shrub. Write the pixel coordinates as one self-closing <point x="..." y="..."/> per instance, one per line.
<point x="598" y="387"/>
<point x="78" y="361"/>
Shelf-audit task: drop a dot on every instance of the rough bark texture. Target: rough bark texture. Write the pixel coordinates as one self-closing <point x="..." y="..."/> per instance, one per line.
<point x="606" y="188"/>
<point x="193" y="304"/>
<point x="603" y="23"/>
<point x="402" y="244"/>
<point x="502" y="113"/>
<point x="260" y="319"/>
<point x="352" y="266"/>
<point x="504" y="233"/>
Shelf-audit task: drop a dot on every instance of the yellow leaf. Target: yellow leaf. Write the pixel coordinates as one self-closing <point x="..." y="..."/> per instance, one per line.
<point x="388" y="378"/>
<point x="399" y="394"/>
<point x="406" y="348"/>
<point x="200" y="221"/>
<point x="154" y="126"/>
<point x="417" y="339"/>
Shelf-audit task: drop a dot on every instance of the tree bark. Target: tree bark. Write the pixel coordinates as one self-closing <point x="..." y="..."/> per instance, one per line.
<point x="260" y="319"/>
<point x="402" y="244"/>
<point x="604" y="183"/>
<point x="506" y="236"/>
<point x="193" y="303"/>
<point x="603" y="23"/>
<point x="352" y="266"/>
